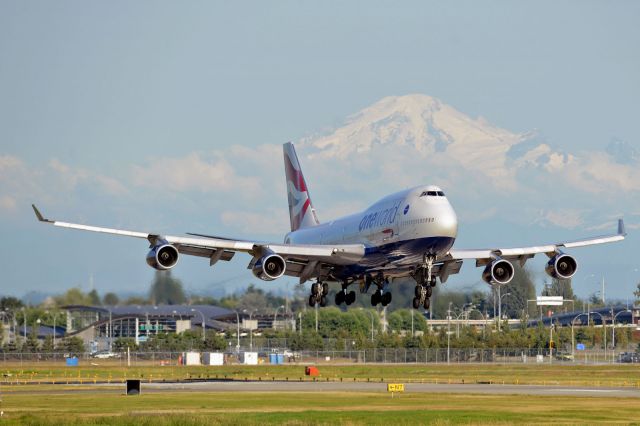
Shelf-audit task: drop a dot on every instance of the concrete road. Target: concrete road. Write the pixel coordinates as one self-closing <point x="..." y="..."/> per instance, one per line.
<point x="382" y="387"/>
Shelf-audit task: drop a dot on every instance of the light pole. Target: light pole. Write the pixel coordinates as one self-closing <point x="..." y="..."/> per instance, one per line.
<point x="412" y="334"/>
<point x="250" y="328"/>
<point x="573" y="344"/>
<point x="238" y="333"/>
<point x="24" y="323"/>
<point x="613" y="324"/>
<point x="604" y="329"/>
<point x="448" y="332"/>
<point x="473" y="308"/>
<point x="500" y="308"/>
<point x="371" y="315"/>
<point x="55" y="331"/>
<point x="110" y="330"/>
<point x="275" y="314"/>
<point x="203" y="324"/>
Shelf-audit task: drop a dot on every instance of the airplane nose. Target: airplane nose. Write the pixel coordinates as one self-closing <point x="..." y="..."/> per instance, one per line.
<point x="448" y="222"/>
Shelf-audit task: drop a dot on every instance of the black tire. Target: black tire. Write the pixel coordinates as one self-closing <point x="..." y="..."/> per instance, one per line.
<point x="339" y="298"/>
<point x="374" y="299"/>
<point x="429" y="291"/>
<point x="315" y="288"/>
<point x="323" y="301"/>
<point x="312" y="301"/>
<point x="325" y="289"/>
<point x="351" y="297"/>
<point x="427" y="303"/>
<point x="434" y="282"/>
<point x="418" y="290"/>
<point x="416" y="303"/>
<point x="387" y="298"/>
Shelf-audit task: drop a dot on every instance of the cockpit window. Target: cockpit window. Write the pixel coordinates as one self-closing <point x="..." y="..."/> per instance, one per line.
<point x="432" y="193"/>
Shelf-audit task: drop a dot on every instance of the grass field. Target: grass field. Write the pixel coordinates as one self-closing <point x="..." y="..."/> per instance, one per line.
<point x="24" y="401"/>
<point x="53" y="405"/>
<point x="589" y="375"/>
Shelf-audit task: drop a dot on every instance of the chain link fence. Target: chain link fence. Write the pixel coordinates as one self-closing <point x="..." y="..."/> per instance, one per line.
<point x="346" y="357"/>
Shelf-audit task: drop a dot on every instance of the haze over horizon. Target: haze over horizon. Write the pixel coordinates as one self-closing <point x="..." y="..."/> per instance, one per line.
<point x="171" y="119"/>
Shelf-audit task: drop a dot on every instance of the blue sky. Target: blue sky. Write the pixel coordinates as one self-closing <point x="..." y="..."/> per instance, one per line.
<point x="96" y="99"/>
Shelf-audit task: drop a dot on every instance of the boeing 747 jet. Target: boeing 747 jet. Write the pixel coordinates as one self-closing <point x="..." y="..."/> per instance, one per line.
<point x="410" y="233"/>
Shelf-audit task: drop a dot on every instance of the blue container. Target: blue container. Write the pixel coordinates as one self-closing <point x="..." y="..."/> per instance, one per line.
<point x="273" y="359"/>
<point x="72" y="362"/>
<point x="280" y="359"/>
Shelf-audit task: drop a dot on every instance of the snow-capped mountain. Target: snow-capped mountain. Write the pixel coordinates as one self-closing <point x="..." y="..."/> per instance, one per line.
<point x="425" y="127"/>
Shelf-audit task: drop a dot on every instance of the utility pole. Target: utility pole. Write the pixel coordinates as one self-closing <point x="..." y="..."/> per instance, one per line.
<point x="448" y="332"/>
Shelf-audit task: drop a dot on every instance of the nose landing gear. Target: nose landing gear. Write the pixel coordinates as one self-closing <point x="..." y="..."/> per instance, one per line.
<point x="319" y="291"/>
<point x="425" y="282"/>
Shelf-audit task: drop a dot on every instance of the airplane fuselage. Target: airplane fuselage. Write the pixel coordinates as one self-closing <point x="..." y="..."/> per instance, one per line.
<point x="397" y="230"/>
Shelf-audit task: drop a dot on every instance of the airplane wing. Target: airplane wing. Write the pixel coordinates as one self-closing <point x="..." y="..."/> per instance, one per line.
<point x="484" y="256"/>
<point x="302" y="257"/>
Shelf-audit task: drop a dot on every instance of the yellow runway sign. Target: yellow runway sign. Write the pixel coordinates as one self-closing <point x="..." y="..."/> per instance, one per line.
<point x="395" y="387"/>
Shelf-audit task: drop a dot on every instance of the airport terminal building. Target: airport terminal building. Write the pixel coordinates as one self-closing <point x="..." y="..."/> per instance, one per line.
<point x="96" y="325"/>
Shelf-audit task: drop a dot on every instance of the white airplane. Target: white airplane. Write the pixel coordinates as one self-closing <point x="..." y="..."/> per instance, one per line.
<point x="408" y="233"/>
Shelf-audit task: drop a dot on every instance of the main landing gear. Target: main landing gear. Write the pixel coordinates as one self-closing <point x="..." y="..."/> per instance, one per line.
<point x="425" y="282"/>
<point x="319" y="291"/>
<point x="382" y="295"/>
<point x="343" y="296"/>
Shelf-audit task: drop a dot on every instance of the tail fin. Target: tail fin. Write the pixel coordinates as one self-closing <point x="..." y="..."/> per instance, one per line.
<point x="301" y="211"/>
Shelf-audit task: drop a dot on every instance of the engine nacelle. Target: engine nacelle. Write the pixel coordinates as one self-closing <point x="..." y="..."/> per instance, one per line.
<point x="269" y="267"/>
<point x="561" y="266"/>
<point x="500" y="271"/>
<point x="162" y="257"/>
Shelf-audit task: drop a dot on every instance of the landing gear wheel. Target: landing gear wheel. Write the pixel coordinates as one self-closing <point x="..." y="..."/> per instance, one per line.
<point x="433" y="282"/>
<point x="386" y="299"/>
<point x="315" y="288"/>
<point x="416" y="303"/>
<point x="340" y="299"/>
<point x="429" y="291"/>
<point x="325" y="289"/>
<point x="312" y="300"/>
<point x="418" y="291"/>
<point x="350" y="297"/>
<point x="323" y="301"/>
<point x="375" y="298"/>
<point x="427" y="303"/>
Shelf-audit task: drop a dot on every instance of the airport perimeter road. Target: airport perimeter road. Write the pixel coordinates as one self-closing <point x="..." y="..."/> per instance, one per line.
<point x="382" y="387"/>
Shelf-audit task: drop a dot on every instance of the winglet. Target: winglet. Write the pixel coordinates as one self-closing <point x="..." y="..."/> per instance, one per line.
<point x="39" y="215"/>
<point x="621" y="230"/>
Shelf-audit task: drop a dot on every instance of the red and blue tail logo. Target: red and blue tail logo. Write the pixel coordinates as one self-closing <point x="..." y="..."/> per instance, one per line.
<point x="301" y="211"/>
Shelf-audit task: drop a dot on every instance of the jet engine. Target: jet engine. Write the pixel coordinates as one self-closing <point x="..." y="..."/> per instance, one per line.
<point x="162" y="257"/>
<point x="269" y="267"/>
<point x="500" y="271"/>
<point x="561" y="266"/>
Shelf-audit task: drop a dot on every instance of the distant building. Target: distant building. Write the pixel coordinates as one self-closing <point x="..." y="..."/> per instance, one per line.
<point x="99" y="325"/>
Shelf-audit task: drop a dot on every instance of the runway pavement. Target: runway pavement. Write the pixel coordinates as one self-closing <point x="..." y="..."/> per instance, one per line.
<point x="382" y="387"/>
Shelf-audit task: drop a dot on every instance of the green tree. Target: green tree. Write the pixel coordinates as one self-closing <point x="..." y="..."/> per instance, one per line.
<point x="166" y="290"/>
<point x="122" y="343"/>
<point x="73" y="345"/>
<point x="110" y="299"/>
<point x="522" y="289"/>
<point x="637" y="294"/>
<point x="73" y="296"/>
<point x="9" y="303"/>
<point x="47" y="344"/>
<point x="94" y="298"/>
<point x="400" y="320"/>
